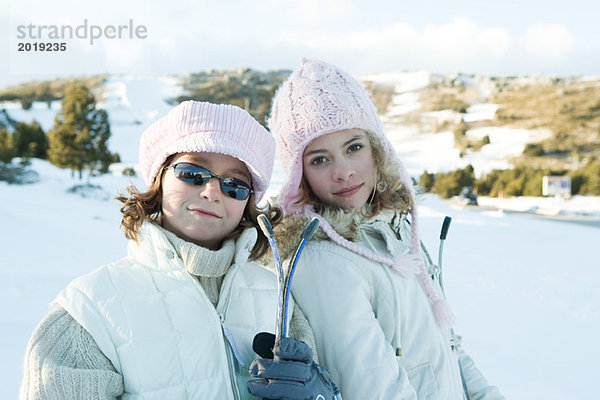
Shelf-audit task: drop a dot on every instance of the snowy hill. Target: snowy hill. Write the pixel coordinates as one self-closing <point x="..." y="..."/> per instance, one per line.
<point x="424" y="138"/>
<point x="524" y="290"/>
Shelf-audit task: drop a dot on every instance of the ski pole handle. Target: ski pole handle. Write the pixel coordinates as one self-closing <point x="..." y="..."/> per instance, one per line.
<point x="310" y="228"/>
<point x="445" y="227"/>
<point x="443" y="234"/>
<point x="265" y="226"/>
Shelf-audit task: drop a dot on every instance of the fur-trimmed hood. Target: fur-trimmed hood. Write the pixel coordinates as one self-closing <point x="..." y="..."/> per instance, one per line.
<point x="346" y="223"/>
<point x="344" y="229"/>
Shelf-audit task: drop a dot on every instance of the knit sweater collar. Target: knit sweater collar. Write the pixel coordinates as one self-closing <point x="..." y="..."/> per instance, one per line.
<point x="200" y="261"/>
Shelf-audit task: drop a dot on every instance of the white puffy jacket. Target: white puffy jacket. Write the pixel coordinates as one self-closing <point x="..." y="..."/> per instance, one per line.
<point x="156" y="325"/>
<point x="375" y="330"/>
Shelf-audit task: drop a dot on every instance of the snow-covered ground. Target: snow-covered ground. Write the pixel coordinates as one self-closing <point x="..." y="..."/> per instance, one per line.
<point x="435" y="152"/>
<point x="577" y="206"/>
<point x="524" y="290"/>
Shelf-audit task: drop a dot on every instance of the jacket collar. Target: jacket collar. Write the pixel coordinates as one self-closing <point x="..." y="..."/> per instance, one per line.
<point x="155" y="250"/>
<point x="347" y="223"/>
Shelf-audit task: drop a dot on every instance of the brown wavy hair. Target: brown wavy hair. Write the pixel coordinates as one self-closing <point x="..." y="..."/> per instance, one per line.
<point x="140" y="206"/>
<point x="389" y="193"/>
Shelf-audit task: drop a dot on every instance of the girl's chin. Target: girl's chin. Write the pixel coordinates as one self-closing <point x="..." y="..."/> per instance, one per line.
<point x="351" y="205"/>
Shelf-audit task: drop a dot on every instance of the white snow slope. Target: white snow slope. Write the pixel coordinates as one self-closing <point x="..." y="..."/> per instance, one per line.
<point x="525" y="291"/>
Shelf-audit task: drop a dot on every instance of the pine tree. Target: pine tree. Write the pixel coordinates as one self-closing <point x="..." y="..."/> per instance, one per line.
<point x="6" y="150"/>
<point x="31" y="140"/>
<point x="80" y="134"/>
<point x="426" y="181"/>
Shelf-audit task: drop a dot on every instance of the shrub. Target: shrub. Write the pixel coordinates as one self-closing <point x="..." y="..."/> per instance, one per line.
<point x="451" y="183"/>
<point x="17" y="173"/>
<point x="533" y="150"/>
<point x="586" y="180"/>
<point x="30" y="140"/>
<point x="523" y="180"/>
<point x="527" y="181"/>
<point x="129" y="171"/>
<point x="26" y="103"/>
<point x="460" y="134"/>
<point x="7" y="151"/>
<point x="448" y="101"/>
<point x="426" y="181"/>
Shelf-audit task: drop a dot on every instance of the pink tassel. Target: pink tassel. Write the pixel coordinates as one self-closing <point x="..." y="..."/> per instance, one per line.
<point x="443" y="315"/>
<point x="406" y="265"/>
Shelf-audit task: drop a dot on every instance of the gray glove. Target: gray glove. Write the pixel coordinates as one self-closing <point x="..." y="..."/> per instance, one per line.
<point x="295" y="376"/>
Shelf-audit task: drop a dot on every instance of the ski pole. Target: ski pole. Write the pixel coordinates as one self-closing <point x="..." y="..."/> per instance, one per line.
<point x="267" y="230"/>
<point x="307" y="233"/>
<point x="285" y="273"/>
<point x="443" y="234"/>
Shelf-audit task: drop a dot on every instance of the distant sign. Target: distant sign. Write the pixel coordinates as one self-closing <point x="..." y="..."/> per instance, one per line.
<point x="556" y="186"/>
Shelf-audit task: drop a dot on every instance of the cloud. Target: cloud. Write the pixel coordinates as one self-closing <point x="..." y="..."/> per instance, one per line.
<point x="463" y="38"/>
<point x="311" y="12"/>
<point x="453" y="45"/>
<point x="192" y="35"/>
<point x="550" y="41"/>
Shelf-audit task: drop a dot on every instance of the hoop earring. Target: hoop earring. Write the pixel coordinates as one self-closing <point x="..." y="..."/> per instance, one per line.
<point x="381" y="186"/>
<point x="375" y="189"/>
<point x="372" y="196"/>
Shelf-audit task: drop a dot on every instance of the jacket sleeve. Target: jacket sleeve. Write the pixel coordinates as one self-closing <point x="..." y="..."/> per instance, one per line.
<point x="62" y="361"/>
<point x="335" y="296"/>
<point x="477" y="385"/>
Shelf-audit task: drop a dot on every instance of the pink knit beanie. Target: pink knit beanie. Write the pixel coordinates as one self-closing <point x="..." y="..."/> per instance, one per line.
<point x="317" y="99"/>
<point x="214" y="128"/>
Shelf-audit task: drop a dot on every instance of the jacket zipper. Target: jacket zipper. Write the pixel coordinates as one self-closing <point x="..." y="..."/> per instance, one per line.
<point x="229" y="353"/>
<point x="221" y="316"/>
<point x="226" y="334"/>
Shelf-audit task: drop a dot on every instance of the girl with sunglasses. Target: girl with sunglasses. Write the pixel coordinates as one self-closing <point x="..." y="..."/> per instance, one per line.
<point x="372" y="298"/>
<point x="176" y="317"/>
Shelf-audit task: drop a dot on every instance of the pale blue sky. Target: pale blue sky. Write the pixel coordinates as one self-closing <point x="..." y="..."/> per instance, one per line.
<point x="495" y="37"/>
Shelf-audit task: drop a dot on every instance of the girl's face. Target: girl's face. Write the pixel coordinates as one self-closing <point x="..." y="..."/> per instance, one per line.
<point x="340" y="169"/>
<point x="203" y="214"/>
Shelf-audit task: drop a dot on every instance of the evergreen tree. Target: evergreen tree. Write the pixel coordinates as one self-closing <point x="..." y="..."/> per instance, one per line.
<point x="6" y="151"/>
<point x="451" y="183"/>
<point x="80" y="134"/>
<point x="426" y="181"/>
<point x="30" y="140"/>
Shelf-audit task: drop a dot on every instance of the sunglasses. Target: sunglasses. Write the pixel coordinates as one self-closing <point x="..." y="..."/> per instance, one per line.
<point x="196" y="175"/>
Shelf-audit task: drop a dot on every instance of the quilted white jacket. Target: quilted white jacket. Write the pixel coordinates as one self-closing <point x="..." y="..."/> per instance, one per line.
<point x="156" y="325"/>
<point x="375" y="330"/>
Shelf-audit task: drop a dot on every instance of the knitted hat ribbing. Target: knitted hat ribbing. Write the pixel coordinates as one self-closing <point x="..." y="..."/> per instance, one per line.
<point x="317" y="99"/>
<point x="215" y="128"/>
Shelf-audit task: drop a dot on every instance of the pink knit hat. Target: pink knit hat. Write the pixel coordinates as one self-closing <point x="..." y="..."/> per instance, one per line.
<point x="318" y="99"/>
<point x="215" y="128"/>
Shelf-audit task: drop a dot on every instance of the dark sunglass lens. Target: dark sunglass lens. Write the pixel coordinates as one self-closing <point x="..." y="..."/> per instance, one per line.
<point x="234" y="191"/>
<point x="184" y="174"/>
<point x="230" y="192"/>
<point x="242" y="193"/>
<point x="191" y="174"/>
<point x="235" y="188"/>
